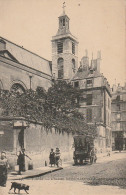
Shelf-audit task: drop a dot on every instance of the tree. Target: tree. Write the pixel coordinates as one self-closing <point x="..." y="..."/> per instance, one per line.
<point x="62" y="96"/>
<point x="58" y="107"/>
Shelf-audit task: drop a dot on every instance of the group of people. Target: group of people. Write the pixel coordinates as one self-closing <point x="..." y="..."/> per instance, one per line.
<point x="54" y="157"/>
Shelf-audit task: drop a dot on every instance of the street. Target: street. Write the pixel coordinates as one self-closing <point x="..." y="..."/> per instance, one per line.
<point x="107" y="176"/>
<point x="107" y="171"/>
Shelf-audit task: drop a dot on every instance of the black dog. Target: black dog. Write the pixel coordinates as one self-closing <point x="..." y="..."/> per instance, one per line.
<point x="19" y="186"/>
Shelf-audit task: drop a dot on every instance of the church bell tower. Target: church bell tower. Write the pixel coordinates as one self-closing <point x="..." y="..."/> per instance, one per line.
<point x="64" y="50"/>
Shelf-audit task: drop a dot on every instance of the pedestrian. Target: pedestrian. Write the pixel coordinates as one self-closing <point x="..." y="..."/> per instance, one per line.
<point x="93" y="156"/>
<point x="3" y="169"/>
<point x="52" y="157"/>
<point x="57" y="156"/>
<point x="21" y="160"/>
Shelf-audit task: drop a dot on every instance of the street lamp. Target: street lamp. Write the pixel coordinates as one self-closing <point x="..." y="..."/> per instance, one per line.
<point x="30" y="77"/>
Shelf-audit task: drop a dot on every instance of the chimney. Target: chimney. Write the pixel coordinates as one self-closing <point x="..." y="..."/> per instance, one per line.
<point x="98" y="61"/>
<point x="2" y="45"/>
<point x="85" y="62"/>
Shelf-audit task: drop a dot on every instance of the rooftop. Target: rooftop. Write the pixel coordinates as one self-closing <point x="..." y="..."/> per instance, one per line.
<point x="27" y="57"/>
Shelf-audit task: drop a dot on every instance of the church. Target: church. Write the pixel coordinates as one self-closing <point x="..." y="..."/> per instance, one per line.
<point x="23" y="69"/>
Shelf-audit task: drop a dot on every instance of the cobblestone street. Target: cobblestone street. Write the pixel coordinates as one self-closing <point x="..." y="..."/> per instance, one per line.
<point x="107" y="171"/>
<point x="107" y="176"/>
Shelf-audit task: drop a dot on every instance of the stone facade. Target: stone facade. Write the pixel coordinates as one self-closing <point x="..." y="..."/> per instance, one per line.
<point x="28" y="71"/>
<point x="64" y="47"/>
<point x="119" y="117"/>
<point x="20" y="66"/>
<point x="38" y="142"/>
<point x="95" y="101"/>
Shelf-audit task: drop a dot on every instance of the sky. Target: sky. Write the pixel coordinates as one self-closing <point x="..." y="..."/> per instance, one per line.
<point x="98" y="25"/>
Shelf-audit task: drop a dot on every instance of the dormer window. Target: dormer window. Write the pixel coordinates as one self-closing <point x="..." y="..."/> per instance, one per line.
<point x="91" y="71"/>
<point x="89" y="83"/>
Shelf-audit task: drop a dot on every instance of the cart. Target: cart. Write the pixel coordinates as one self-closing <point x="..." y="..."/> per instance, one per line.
<point x="84" y="150"/>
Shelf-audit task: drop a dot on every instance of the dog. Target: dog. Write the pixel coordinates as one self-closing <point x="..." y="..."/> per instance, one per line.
<point x="19" y="186"/>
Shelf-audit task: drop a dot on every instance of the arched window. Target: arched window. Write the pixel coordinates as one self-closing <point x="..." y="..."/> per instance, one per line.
<point x="73" y="65"/>
<point x="63" y="21"/>
<point x="17" y="88"/>
<point x="60" y="68"/>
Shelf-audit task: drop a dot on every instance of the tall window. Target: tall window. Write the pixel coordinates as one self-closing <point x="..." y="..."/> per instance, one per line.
<point x="63" y="21"/>
<point x="60" y="68"/>
<point x="89" y="115"/>
<point x="60" y="47"/>
<point x="73" y="47"/>
<point x="118" y="98"/>
<point x="73" y="65"/>
<point x="89" y="99"/>
<point x="76" y="84"/>
<point x="89" y="83"/>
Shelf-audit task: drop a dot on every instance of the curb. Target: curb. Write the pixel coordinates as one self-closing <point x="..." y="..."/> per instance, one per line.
<point x="36" y="175"/>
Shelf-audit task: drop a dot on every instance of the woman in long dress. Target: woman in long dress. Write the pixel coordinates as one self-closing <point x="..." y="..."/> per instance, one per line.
<point x="3" y="169"/>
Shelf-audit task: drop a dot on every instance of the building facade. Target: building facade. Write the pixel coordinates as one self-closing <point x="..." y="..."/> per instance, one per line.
<point x="119" y="117"/>
<point x="64" y="51"/>
<point x="95" y="101"/>
<point x="22" y="69"/>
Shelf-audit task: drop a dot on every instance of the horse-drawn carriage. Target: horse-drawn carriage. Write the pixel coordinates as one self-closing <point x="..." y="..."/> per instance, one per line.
<point x="84" y="149"/>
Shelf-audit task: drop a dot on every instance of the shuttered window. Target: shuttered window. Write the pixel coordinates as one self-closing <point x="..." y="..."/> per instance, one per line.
<point x="73" y="48"/>
<point x="60" y="47"/>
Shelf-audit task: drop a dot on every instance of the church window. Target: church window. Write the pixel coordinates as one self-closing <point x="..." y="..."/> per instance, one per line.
<point x="73" y="65"/>
<point x="60" y="68"/>
<point x="17" y="88"/>
<point x="89" y="99"/>
<point x="60" y="47"/>
<point x="63" y="21"/>
<point x="73" y="48"/>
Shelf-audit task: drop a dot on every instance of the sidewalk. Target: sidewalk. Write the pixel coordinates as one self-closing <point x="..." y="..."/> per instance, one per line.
<point x="37" y="172"/>
<point x="32" y="173"/>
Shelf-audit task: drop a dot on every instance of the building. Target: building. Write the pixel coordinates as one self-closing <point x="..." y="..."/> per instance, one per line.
<point x="95" y="101"/>
<point x="119" y="117"/>
<point x="22" y="69"/>
<point x="64" y="51"/>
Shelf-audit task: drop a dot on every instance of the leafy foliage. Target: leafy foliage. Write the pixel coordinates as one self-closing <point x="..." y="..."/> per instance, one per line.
<point x="58" y="107"/>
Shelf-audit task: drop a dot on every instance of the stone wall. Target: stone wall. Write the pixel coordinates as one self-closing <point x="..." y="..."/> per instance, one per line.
<point x="38" y="142"/>
<point x="12" y="72"/>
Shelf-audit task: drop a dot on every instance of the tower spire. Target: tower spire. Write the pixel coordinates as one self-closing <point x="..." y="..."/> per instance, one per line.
<point x="64" y="7"/>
